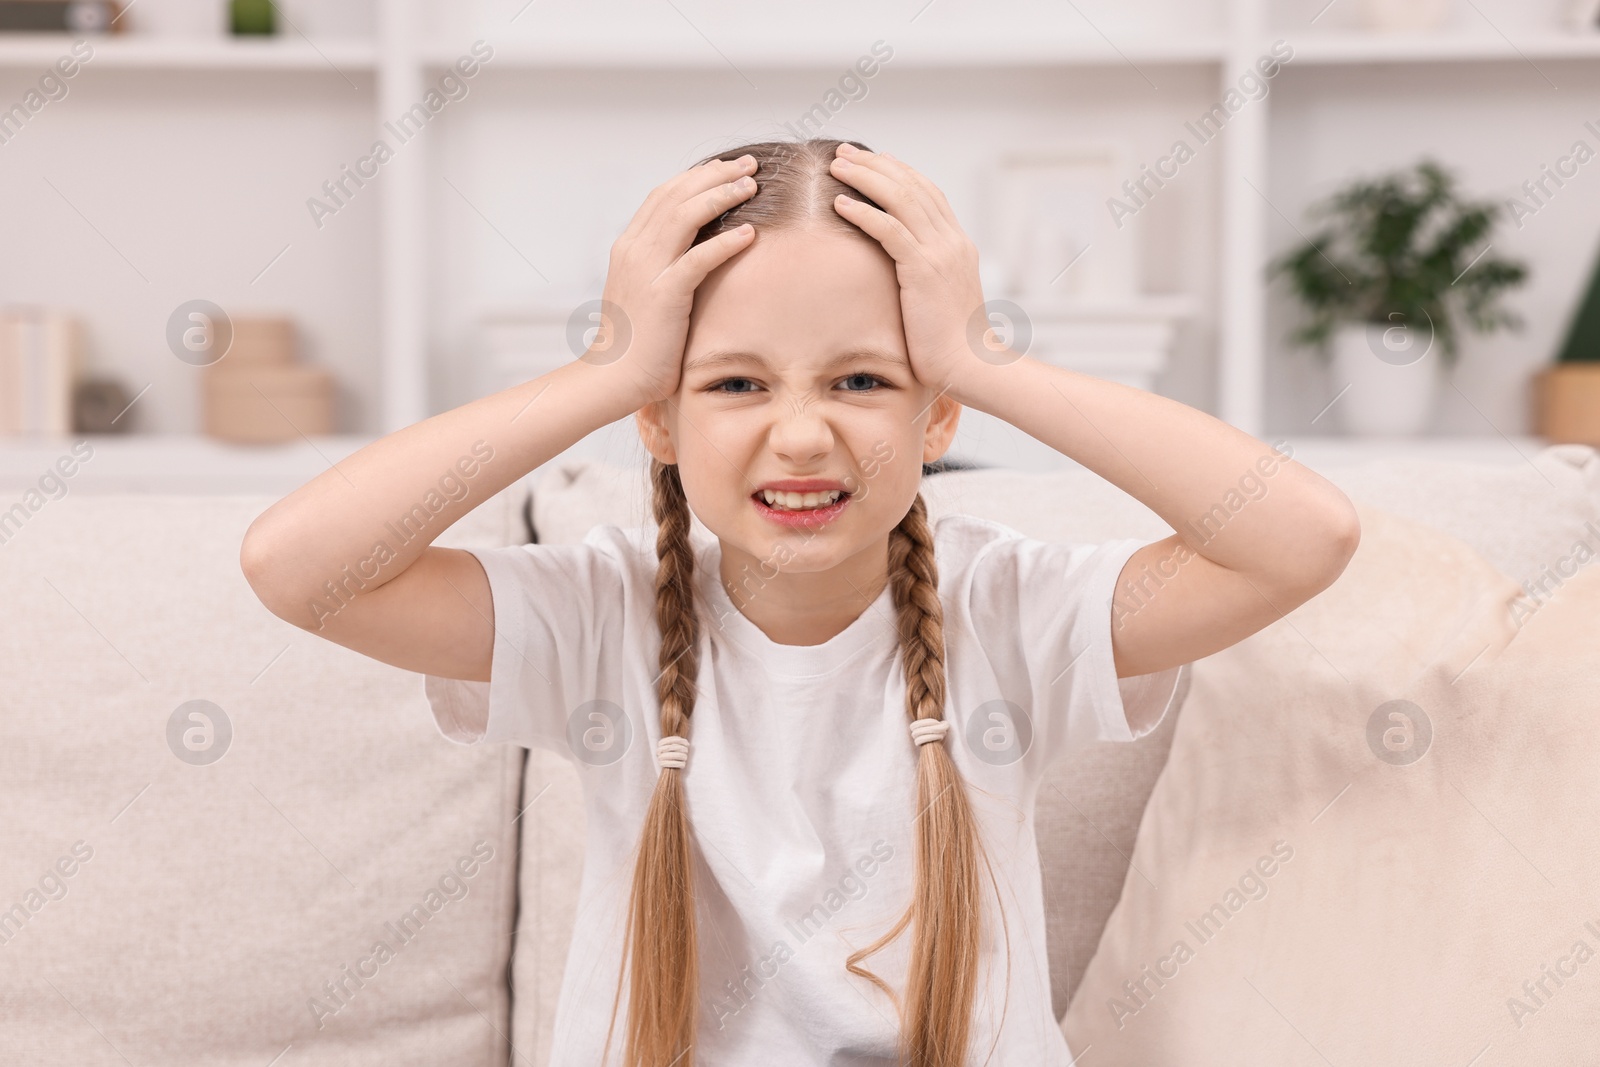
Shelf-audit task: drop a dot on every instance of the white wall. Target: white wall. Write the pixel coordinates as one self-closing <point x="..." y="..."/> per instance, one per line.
<point x="197" y="180"/>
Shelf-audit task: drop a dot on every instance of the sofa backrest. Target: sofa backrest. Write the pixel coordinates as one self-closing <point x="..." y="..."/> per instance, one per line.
<point x="214" y="820"/>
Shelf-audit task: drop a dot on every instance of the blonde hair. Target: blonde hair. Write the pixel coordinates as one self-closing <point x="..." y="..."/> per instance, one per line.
<point x="795" y="189"/>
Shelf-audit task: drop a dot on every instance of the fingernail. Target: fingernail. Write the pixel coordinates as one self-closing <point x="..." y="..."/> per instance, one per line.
<point x="847" y="148"/>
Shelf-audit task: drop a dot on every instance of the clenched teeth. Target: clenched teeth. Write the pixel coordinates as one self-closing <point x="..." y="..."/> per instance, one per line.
<point x="797" y="501"/>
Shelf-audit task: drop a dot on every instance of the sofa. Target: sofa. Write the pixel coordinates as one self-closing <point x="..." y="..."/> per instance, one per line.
<point x="1370" y="825"/>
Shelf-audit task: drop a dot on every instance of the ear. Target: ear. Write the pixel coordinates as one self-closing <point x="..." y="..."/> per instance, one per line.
<point x="651" y="420"/>
<point x="941" y="428"/>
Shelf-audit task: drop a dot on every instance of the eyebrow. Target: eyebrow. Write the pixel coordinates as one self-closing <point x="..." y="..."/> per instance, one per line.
<point x="723" y="358"/>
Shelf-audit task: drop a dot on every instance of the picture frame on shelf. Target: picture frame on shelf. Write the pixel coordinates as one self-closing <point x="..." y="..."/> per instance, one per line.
<point x="1583" y="16"/>
<point x="1050" y="227"/>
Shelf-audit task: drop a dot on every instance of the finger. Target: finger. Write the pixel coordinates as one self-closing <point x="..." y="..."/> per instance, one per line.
<point x="889" y="231"/>
<point x="692" y="267"/>
<point x="678" y="230"/>
<point x="864" y="172"/>
<point x="903" y="201"/>
<point x="911" y="176"/>
<point x="681" y="187"/>
<point x="929" y="193"/>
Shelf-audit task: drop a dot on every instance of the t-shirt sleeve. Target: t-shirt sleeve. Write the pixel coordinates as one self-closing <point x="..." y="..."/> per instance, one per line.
<point x="1058" y="598"/>
<point x="558" y="610"/>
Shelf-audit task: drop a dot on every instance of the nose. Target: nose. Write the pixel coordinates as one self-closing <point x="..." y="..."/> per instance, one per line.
<point x="800" y="431"/>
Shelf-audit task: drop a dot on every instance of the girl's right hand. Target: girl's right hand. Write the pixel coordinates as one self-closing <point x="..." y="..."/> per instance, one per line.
<point x="653" y="274"/>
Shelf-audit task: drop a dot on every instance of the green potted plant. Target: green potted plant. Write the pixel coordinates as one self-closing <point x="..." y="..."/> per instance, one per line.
<point x="1387" y="283"/>
<point x="252" y="18"/>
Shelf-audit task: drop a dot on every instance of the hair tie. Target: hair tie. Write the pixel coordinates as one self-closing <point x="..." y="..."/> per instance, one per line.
<point x="926" y="730"/>
<point x="672" y="751"/>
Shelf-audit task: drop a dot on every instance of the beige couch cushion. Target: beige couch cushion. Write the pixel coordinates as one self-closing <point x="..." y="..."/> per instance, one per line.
<point x="1524" y="517"/>
<point x="1324" y="882"/>
<point x="552" y="841"/>
<point x="207" y="904"/>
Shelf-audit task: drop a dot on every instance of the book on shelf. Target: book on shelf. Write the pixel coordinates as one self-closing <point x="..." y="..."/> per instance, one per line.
<point x="60" y="16"/>
<point x="41" y="355"/>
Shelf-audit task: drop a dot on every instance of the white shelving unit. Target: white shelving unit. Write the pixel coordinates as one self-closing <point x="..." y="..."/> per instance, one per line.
<point x="180" y="464"/>
<point x="1359" y="49"/>
<point x="179" y="54"/>
<point x="1049" y="48"/>
<point x="404" y="57"/>
<point x="575" y="52"/>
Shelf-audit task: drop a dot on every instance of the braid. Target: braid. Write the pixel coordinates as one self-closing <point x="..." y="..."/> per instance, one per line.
<point x="946" y="906"/>
<point x="663" y="985"/>
<point x="920" y="616"/>
<point x="675" y="614"/>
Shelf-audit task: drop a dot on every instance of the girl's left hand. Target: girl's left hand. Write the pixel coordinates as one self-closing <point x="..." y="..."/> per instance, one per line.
<point x="941" y="298"/>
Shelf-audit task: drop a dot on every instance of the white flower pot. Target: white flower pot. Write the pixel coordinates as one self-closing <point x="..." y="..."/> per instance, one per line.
<point x="1404" y="16"/>
<point x="1393" y="377"/>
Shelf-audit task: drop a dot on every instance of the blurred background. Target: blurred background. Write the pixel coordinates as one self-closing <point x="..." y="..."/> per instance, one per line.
<point x="244" y="238"/>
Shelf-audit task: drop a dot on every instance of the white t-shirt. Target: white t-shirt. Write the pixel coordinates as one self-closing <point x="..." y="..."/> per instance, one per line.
<point x="801" y="778"/>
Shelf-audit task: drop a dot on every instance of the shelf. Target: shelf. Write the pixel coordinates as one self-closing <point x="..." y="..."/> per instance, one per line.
<point x="171" y="463"/>
<point x="191" y="54"/>
<point x="1151" y="307"/>
<point x="1126" y="339"/>
<point x="573" y="51"/>
<point x="186" y="464"/>
<point x="1354" y="49"/>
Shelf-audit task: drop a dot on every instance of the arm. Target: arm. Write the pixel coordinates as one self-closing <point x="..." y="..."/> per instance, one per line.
<point x="349" y="555"/>
<point x="1252" y="542"/>
<point x="1257" y="533"/>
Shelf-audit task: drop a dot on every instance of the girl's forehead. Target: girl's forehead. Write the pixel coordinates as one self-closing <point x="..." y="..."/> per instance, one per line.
<point x="800" y="358"/>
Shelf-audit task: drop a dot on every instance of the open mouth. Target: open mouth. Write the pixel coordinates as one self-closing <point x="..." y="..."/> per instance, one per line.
<point x="783" y="501"/>
<point x="800" y="509"/>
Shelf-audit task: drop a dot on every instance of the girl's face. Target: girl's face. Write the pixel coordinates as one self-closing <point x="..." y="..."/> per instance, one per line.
<point x="795" y="367"/>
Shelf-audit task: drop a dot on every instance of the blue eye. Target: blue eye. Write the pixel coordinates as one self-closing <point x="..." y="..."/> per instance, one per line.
<point x="719" y="387"/>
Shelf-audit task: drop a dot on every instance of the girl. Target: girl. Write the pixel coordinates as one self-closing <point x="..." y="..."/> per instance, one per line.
<point x="796" y="327"/>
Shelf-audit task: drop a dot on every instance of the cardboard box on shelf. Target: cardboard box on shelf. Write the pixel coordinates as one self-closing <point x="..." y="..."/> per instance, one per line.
<point x="267" y="404"/>
<point x="262" y="341"/>
<point x="260" y="393"/>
